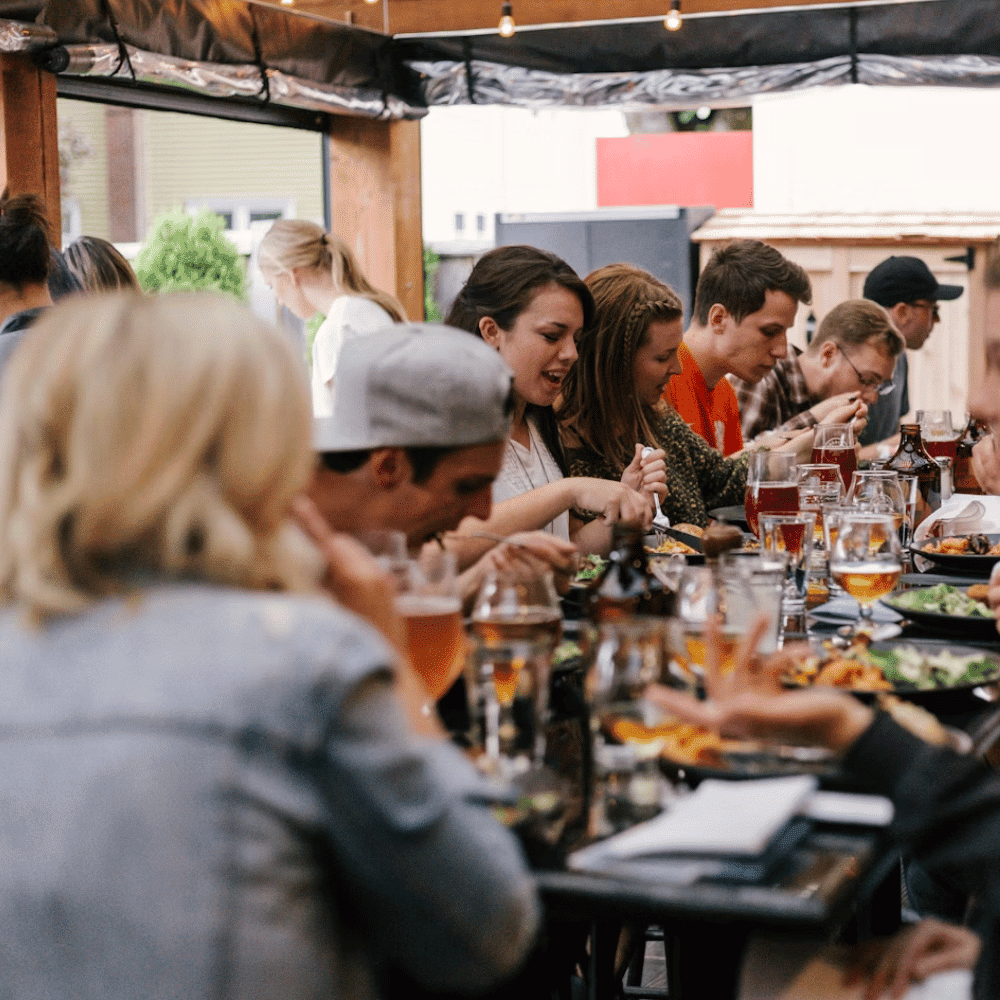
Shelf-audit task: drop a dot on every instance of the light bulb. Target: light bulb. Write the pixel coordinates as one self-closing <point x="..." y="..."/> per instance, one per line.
<point x="672" y="22"/>
<point x="506" y="27"/>
<point x="288" y="3"/>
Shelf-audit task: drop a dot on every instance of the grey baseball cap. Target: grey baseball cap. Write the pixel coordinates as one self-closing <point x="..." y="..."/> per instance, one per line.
<point x="417" y="385"/>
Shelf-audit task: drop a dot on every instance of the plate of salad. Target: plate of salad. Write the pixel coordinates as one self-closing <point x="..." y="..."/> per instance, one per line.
<point x="944" y="608"/>
<point x="933" y="672"/>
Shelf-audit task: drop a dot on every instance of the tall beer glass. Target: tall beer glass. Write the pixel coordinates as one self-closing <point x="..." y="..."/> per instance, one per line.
<point x="429" y="603"/>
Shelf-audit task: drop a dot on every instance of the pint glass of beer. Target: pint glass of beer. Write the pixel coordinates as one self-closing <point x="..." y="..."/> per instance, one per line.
<point x="428" y="601"/>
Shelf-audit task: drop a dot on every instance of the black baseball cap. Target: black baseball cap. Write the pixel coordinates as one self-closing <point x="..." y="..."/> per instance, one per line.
<point x="906" y="279"/>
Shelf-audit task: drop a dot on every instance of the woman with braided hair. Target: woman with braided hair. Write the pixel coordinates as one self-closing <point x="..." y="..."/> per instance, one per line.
<point x="611" y="397"/>
<point x="309" y="270"/>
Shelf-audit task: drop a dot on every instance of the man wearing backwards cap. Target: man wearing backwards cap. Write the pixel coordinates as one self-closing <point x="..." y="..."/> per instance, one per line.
<point x="417" y="437"/>
<point x="906" y="289"/>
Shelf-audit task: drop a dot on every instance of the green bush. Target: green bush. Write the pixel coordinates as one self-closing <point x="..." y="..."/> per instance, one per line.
<point x="190" y="252"/>
<point x="432" y="261"/>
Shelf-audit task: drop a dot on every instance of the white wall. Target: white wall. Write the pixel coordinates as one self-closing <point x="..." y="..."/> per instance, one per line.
<point x="877" y="149"/>
<point x="483" y="160"/>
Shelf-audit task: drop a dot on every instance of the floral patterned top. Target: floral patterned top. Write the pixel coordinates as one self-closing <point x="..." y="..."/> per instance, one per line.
<point x="699" y="478"/>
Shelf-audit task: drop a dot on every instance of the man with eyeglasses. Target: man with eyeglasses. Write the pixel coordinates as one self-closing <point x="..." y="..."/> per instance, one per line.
<point x="843" y="371"/>
<point x="906" y="289"/>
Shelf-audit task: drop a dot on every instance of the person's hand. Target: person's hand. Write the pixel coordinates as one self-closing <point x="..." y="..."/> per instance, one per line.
<point x="647" y="474"/>
<point x="613" y="501"/>
<point x="357" y="582"/>
<point x="842" y="409"/>
<point x="986" y="465"/>
<point x="749" y="703"/>
<point x="800" y="442"/>
<point x="893" y="966"/>
<point x="536" y="552"/>
<point x="353" y="575"/>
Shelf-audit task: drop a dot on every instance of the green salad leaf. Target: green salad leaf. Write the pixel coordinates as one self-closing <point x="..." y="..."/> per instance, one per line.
<point x="942" y="599"/>
<point x="591" y="567"/>
<point x="918" y="668"/>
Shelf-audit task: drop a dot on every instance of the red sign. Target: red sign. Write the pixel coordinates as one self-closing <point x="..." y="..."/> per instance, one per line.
<point x="679" y="168"/>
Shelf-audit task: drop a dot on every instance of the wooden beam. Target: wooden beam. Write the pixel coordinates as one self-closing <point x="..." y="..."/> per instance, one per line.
<point x="406" y="16"/>
<point x="29" y="135"/>
<point x="375" y="199"/>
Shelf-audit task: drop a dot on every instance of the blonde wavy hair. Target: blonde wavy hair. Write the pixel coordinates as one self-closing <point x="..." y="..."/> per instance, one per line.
<point x="292" y="243"/>
<point x="163" y="435"/>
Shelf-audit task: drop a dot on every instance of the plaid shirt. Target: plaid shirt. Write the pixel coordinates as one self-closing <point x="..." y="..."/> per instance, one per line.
<point x="779" y="401"/>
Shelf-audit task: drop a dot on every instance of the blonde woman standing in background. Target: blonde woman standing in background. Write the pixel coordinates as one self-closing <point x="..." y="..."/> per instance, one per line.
<point x="309" y="271"/>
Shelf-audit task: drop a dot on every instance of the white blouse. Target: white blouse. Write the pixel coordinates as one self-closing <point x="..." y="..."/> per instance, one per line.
<point x="526" y="469"/>
<point x="350" y="316"/>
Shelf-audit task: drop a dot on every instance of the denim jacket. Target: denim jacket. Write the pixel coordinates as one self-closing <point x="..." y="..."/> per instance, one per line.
<point x="207" y="792"/>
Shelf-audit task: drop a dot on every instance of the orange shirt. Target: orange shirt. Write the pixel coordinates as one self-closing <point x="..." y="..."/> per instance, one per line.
<point x="714" y="415"/>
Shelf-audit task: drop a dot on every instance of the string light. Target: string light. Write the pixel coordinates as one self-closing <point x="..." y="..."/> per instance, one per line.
<point x="506" y="26"/>
<point x="371" y="1"/>
<point x="288" y="3"/>
<point x="672" y="22"/>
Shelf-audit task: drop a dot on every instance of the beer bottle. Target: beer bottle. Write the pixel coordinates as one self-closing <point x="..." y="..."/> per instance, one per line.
<point x="911" y="458"/>
<point x="965" y="481"/>
<point x="627" y="586"/>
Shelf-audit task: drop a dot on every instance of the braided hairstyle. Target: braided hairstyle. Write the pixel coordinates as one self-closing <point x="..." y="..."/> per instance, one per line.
<point x="24" y="241"/>
<point x="599" y="400"/>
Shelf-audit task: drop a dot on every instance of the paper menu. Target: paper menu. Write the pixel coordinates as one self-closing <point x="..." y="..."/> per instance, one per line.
<point x="719" y="817"/>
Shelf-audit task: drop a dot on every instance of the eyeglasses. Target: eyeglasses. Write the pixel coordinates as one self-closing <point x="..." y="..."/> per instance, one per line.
<point x="931" y="307"/>
<point x="868" y="380"/>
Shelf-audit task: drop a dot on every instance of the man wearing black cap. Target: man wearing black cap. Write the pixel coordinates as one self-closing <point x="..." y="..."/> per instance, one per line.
<point x="906" y="289"/>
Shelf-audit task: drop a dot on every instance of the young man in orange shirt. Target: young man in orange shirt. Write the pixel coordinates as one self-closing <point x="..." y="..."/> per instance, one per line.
<point x="745" y="302"/>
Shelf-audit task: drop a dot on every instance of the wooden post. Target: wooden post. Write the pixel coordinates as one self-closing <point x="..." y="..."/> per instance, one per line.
<point x="29" y="135"/>
<point x="375" y="195"/>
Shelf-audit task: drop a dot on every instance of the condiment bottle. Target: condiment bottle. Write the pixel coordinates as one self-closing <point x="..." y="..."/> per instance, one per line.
<point x="627" y="586"/>
<point x="911" y="457"/>
<point x="964" y="480"/>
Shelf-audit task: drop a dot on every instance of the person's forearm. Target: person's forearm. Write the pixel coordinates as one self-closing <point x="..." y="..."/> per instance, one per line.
<point x="526" y="512"/>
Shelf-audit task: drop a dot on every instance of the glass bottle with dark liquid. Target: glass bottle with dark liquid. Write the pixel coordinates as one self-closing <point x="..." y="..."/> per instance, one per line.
<point x="912" y="459"/>
<point x="964" y="480"/>
<point x="627" y="585"/>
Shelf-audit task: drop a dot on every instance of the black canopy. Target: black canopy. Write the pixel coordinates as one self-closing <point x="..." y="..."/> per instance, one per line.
<point x="714" y="58"/>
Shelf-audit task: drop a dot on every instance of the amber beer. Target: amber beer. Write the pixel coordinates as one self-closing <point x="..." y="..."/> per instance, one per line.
<point x="531" y="632"/>
<point x="867" y="582"/>
<point x="729" y="641"/>
<point x="435" y="638"/>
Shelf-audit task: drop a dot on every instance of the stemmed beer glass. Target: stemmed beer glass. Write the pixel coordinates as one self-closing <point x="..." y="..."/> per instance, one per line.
<point x="834" y="444"/>
<point x="879" y="491"/>
<point x="866" y="559"/>
<point x="516" y="626"/>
